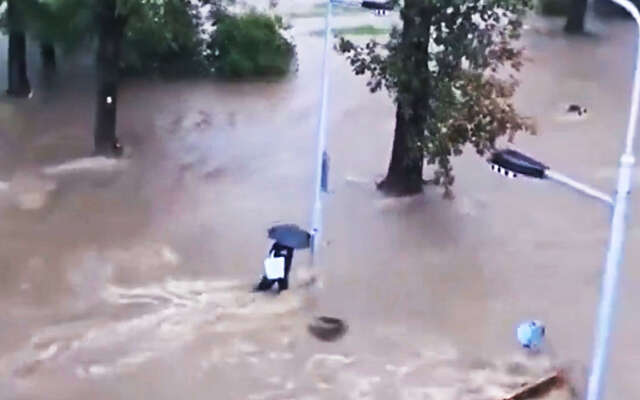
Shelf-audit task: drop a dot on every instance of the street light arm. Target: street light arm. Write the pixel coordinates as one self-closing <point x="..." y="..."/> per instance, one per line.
<point x="580" y="187"/>
<point x="346" y="3"/>
<point x="376" y="5"/>
<point x="514" y="163"/>
<point x="368" y="4"/>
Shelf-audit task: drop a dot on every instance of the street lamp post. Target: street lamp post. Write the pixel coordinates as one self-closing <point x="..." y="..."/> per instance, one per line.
<point x="322" y="156"/>
<point x="519" y="163"/>
<point x="618" y="230"/>
<point x="316" y="216"/>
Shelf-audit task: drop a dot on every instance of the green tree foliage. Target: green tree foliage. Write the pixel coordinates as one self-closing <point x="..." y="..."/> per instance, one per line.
<point x="64" y="22"/>
<point x="159" y="36"/>
<point x="450" y="71"/>
<point x="168" y="28"/>
<point x="250" y="45"/>
<point x="166" y="39"/>
<point x="558" y="8"/>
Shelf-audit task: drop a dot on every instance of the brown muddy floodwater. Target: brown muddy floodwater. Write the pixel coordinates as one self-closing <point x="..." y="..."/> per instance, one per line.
<point x="133" y="284"/>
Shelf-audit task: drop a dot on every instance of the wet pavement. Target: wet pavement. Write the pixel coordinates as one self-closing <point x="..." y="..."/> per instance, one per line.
<point x="132" y="283"/>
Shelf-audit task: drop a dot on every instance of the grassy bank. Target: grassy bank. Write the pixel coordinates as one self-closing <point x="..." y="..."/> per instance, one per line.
<point x="361" y="30"/>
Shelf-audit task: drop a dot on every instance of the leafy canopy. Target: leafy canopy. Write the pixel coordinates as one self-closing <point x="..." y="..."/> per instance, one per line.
<point x="250" y="45"/>
<point x="451" y="67"/>
<point x="158" y="33"/>
<point x="170" y="37"/>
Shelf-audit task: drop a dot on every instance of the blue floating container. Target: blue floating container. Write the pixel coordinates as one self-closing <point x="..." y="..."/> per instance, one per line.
<point x="531" y="334"/>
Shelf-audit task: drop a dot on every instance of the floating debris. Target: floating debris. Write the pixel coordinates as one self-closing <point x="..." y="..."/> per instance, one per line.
<point x="539" y="388"/>
<point x="531" y="334"/>
<point x="328" y="329"/>
<point x="575" y="108"/>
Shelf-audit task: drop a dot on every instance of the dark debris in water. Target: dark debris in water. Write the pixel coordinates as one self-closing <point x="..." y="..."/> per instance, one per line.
<point x="539" y="388"/>
<point x="328" y="329"/>
<point x="577" y="109"/>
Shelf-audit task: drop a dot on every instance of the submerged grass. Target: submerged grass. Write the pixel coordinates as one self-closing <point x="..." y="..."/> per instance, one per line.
<point x="319" y="10"/>
<point x="361" y="30"/>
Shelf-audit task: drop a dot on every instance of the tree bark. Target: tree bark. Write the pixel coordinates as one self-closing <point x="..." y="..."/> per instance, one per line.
<point x="111" y="31"/>
<point x="18" y="80"/>
<point x="48" y="56"/>
<point x="404" y="176"/>
<point x="575" y="19"/>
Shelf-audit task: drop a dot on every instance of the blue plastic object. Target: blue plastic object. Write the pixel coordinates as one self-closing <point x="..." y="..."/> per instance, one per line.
<point x="531" y="334"/>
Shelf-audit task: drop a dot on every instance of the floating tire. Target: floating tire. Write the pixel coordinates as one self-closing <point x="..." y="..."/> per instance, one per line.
<point x="328" y="329"/>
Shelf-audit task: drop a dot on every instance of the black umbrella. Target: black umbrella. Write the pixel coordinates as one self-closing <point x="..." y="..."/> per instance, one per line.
<point x="290" y="235"/>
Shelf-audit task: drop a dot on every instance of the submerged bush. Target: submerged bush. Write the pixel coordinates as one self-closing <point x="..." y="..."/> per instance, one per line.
<point x="165" y="44"/>
<point x="240" y="46"/>
<point x="250" y="45"/>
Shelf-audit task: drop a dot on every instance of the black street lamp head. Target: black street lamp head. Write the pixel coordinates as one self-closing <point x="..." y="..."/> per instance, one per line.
<point x="377" y="5"/>
<point x="518" y="163"/>
<point x="502" y="171"/>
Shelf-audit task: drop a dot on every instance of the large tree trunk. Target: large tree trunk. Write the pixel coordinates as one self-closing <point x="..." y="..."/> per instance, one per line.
<point x="111" y="31"/>
<point x="404" y="176"/>
<point x="18" y="80"/>
<point x="575" y="19"/>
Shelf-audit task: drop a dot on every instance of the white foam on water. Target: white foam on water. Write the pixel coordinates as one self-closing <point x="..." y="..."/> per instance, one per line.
<point x="326" y="369"/>
<point x="363" y="388"/>
<point x="358" y="180"/>
<point x="329" y="360"/>
<point x="182" y="309"/>
<point x="29" y="190"/>
<point x="98" y="370"/>
<point x="48" y="353"/>
<point x="397" y="203"/>
<point x="274" y="355"/>
<point x="269" y="395"/>
<point x="91" y="164"/>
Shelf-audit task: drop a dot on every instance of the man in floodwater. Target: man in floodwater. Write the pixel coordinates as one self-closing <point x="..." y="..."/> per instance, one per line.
<point x="277" y="250"/>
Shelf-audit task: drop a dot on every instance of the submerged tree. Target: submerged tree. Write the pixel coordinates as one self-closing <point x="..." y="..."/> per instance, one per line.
<point x="33" y="19"/>
<point x="44" y="24"/>
<point x="159" y="37"/>
<point x="152" y="27"/>
<point x="450" y="72"/>
<point x="575" y="16"/>
<point x="17" y="63"/>
<point x="111" y="24"/>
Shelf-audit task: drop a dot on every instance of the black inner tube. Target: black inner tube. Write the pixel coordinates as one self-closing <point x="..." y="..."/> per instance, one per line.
<point x="328" y="329"/>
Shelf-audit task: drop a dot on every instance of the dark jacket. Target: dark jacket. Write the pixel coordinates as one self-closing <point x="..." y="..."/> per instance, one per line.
<point x="280" y="250"/>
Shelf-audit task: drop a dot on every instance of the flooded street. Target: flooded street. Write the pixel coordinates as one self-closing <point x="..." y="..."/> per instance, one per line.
<point x="133" y="282"/>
